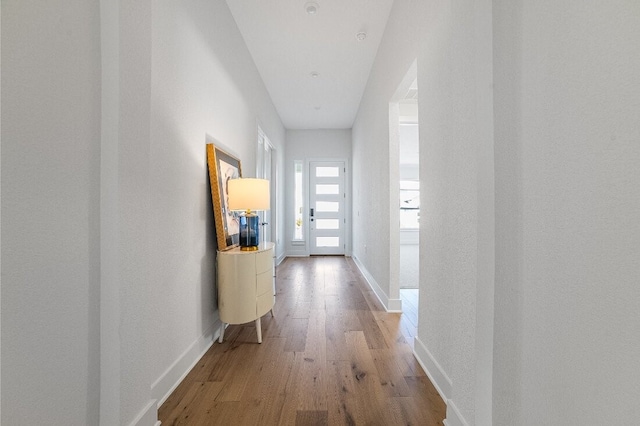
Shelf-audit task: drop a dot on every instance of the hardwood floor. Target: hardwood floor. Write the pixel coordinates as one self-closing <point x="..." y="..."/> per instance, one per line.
<point x="330" y="356"/>
<point x="409" y="318"/>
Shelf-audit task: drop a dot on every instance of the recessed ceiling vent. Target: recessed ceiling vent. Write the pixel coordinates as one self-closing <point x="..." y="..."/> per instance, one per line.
<point x="311" y="8"/>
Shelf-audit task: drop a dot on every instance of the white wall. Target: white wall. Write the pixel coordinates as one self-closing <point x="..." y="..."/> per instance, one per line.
<point x="568" y="209"/>
<point x="409" y="152"/>
<point x="105" y="306"/>
<point x="554" y="160"/>
<point x="454" y="85"/>
<point x="50" y="212"/>
<point x="304" y="145"/>
<point x="191" y="81"/>
<point x="371" y="158"/>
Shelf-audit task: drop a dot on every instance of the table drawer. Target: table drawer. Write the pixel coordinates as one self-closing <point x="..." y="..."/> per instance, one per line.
<point x="264" y="283"/>
<point x="264" y="304"/>
<point x="264" y="261"/>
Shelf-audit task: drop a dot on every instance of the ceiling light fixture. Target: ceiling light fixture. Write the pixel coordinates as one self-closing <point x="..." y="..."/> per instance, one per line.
<point x="361" y="36"/>
<point x="314" y="74"/>
<point x="311" y="8"/>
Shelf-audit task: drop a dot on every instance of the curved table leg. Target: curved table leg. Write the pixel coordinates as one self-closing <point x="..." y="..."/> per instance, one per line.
<point x="221" y="333"/>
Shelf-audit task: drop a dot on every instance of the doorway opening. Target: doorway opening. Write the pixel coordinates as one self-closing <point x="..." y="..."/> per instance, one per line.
<point x="405" y="173"/>
<point x="266" y="168"/>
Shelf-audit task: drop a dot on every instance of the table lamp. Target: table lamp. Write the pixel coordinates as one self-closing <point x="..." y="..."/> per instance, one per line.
<point x="249" y="195"/>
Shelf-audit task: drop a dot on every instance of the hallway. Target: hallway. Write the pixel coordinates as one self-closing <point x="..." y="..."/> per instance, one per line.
<point x="331" y="355"/>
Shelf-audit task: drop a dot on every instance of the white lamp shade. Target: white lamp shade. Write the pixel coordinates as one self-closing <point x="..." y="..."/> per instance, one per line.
<point x="248" y="194"/>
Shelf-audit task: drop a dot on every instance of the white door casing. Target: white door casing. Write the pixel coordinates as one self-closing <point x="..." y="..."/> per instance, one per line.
<point x="265" y="169"/>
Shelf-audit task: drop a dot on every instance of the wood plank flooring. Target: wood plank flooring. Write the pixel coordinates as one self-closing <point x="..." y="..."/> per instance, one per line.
<point x="409" y="318"/>
<point x="331" y="355"/>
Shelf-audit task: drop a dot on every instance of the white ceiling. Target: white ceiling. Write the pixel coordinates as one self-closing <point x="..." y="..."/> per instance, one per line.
<point x="288" y="45"/>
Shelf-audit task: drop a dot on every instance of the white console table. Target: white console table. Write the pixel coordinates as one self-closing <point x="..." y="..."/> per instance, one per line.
<point x="245" y="286"/>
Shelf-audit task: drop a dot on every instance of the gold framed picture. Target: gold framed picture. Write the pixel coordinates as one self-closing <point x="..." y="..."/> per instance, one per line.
<point x="222" y="168"/>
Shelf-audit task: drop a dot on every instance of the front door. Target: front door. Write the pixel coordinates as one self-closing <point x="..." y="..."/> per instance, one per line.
<point x="327" y="207"/>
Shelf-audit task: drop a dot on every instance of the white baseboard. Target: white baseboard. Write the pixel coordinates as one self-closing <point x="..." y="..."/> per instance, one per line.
<point x="297" y="255"/>
<point x="148" y="416"/>
<point x="440" y="381"/>
<point x="390" y="305"/>
<point x="173" y="376"/>
<point x="280" y="259"/>
<point x="395" y="306"/>
<point x="454" y="418"/>
<point x="409" y="237"/>
<point x="436" y="374"/>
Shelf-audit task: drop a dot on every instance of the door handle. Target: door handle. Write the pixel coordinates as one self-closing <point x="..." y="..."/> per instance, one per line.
<point x="311" y="214"/>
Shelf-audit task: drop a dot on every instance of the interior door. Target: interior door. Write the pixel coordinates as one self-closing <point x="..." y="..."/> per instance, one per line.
<point x="266" y="170"/>
<point x="327" y="207"/>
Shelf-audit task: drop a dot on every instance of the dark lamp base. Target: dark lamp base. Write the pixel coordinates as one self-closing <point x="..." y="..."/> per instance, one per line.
<point x="249" y="232"/>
